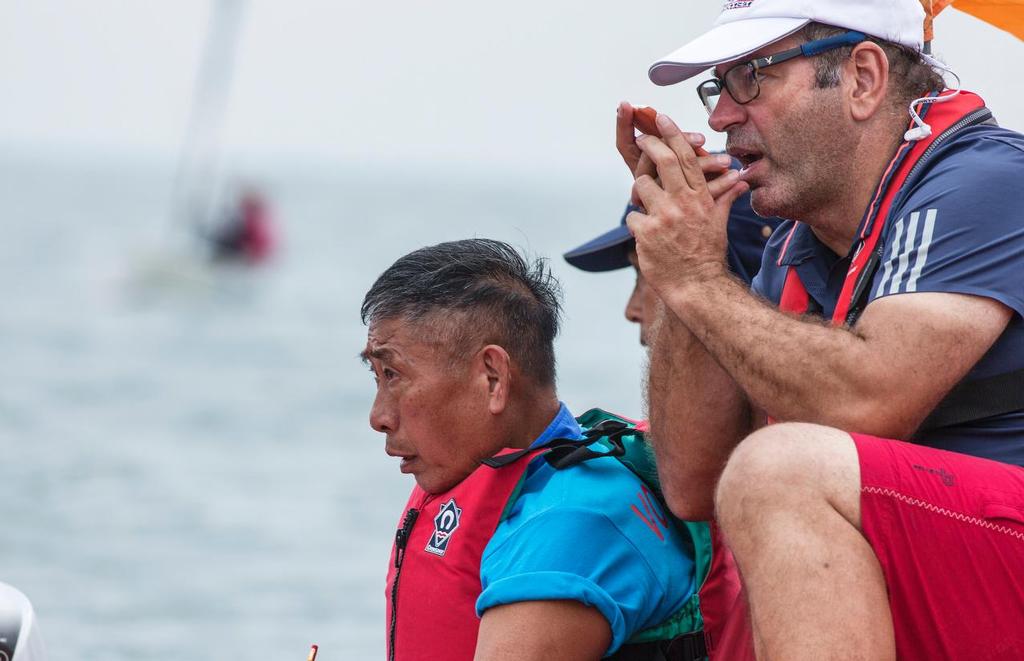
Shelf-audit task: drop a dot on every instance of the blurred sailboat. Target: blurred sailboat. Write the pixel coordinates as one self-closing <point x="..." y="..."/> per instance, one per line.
<point x="208" y="242"/>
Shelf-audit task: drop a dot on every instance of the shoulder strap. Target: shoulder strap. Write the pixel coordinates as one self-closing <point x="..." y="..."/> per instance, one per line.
<point x="975" y="400"/>
<point x="566" y="452"/>
<point x="946" y="119"/>
<point x="864" y="266"/>
<point x="686" y="647"/>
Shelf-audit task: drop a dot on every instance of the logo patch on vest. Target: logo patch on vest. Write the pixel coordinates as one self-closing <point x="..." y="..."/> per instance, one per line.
<point x="445" y="523"/>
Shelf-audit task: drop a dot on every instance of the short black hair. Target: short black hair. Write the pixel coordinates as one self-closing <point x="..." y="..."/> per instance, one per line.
<point x="478" y="291"/>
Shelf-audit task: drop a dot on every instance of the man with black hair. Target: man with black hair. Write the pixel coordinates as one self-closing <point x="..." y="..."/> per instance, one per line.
<point x="907" y="237"/>
<point x="552" y="550"/>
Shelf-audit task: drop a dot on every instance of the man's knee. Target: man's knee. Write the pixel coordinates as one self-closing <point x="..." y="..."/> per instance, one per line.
<point x="789" y="465"/>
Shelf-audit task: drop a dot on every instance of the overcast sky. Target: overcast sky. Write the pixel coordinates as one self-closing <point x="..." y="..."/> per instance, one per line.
<point x="531" y="82"/>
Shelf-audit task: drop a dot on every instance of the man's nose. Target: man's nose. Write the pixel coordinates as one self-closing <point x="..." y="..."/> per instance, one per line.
<point x="634" y="309"/>
<point x="726" y="113"/>
<point x="382" y="417"/>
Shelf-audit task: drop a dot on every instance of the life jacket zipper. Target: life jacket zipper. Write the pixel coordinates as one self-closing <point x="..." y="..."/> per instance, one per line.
<point x="401" y="540"/>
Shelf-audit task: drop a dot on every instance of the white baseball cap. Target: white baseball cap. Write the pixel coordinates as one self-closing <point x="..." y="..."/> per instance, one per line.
<point x="745" y="26"/>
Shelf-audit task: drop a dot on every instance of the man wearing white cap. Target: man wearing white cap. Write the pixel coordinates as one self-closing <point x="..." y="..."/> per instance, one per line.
<point x="908" y="235"/>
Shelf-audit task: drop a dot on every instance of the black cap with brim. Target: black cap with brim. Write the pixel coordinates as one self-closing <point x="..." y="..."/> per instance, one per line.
<point x="748" y="234"/>
<point x="608" y="252"/>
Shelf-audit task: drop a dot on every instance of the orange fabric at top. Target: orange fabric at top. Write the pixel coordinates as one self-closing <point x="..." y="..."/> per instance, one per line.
<point x="1004" y="14"/>
<point x="931" y="10"/>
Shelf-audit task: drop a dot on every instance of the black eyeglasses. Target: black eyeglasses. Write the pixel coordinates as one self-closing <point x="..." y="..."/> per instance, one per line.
<point x="743" y="80"/>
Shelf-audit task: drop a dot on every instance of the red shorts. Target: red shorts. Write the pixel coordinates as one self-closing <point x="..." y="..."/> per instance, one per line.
<point x="948" y="530"/>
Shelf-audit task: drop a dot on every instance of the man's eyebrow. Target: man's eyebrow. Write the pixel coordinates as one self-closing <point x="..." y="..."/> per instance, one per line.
<point x="380" y="354"/>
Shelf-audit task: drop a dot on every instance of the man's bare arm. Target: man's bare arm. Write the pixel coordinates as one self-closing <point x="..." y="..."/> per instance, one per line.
<point x="542" y="630"/>
<point x="697" y="415"/>
<point x="882" y="377"/>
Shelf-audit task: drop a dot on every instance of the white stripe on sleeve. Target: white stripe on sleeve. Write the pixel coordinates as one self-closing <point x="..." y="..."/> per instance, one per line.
<point x="908" y="247"/>
<point x="887" y="272"/>
<point x="922" y="250"/>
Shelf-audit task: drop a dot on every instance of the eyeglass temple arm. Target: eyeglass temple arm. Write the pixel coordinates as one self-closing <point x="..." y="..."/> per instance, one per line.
<point x="821" y="45"/>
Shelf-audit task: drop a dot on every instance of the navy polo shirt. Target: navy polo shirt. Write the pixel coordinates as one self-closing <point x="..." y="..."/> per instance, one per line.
<point x="957" y="227"/>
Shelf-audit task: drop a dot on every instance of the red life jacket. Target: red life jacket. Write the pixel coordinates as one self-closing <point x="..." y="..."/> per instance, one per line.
<point x="943" y="117"/>
<point x="434" y="576"/>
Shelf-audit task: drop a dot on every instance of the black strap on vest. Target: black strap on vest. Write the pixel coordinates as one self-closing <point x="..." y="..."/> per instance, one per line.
<point x="565" y="452"/>
<point x="975" y="400"/>
<point x="687" y="647"/>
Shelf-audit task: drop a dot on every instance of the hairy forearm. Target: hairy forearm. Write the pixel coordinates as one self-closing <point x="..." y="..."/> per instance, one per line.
<point x="793" y="368"/>
<point x="697" y="415"/>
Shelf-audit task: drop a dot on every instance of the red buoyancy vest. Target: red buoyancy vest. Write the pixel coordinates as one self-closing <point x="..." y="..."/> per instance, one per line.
<point x="434" y="576"/>
<point x="720" y="598"/>
<point x="941" y="117"/>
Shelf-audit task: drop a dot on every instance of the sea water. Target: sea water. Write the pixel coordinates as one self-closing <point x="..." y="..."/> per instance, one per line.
<point x="187" y="469"/>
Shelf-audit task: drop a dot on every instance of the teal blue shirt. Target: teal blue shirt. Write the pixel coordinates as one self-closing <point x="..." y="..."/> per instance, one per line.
<point x="588" y="533"/>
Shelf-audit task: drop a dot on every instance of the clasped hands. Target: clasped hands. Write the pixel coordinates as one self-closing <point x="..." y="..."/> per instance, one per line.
<point x="681" y="236"/>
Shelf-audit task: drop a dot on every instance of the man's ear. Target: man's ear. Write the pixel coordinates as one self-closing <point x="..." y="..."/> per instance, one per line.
<point x="868" y="73"/>
<point x="498" y="369"/>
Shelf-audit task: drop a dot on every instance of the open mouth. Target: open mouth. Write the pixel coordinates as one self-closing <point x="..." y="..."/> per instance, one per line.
<point x="407" y="459"/>
<point x="398" y="454"/>
<point x="746" y="157"/>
